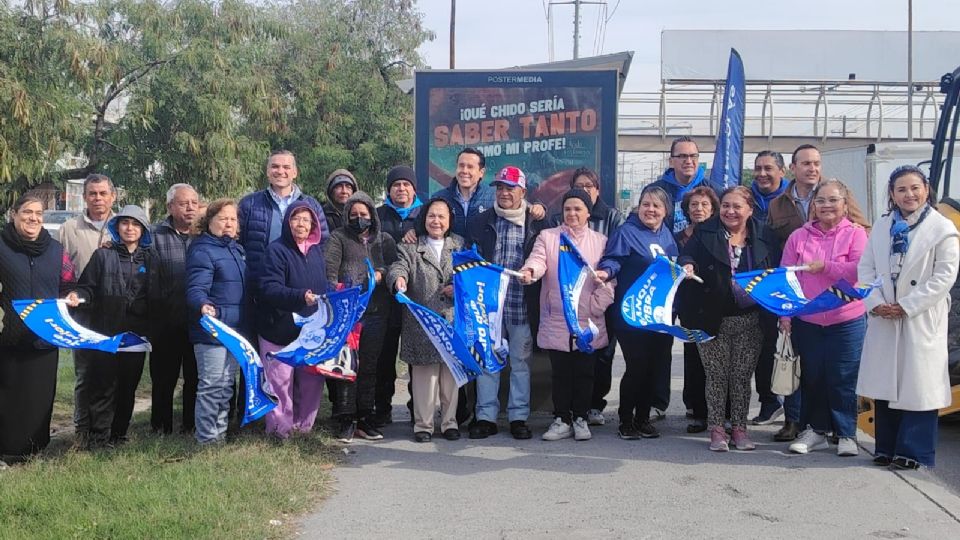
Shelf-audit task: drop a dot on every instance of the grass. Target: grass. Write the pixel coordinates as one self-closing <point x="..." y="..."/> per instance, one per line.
<point x="163" y="487"/>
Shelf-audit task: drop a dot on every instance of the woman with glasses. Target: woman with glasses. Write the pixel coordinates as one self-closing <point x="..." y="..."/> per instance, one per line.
<point x="720" y="247"/>
<point x="829" y="343"/>
<point x="913" y="251"/>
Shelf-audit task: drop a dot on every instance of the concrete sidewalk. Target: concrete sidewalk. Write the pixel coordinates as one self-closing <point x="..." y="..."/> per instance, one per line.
<point x="671" y="487"/>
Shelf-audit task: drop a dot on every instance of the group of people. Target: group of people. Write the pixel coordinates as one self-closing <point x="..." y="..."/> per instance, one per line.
<point x="256" y="262"/>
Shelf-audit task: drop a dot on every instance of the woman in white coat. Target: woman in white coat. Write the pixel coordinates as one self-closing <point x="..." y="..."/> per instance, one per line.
<point x="914" y="252"/>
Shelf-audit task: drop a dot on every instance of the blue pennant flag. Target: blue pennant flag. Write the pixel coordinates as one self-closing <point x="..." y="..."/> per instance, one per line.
<point x="479" y="292"/>
<point x="51" y="322"/>
<point x="728" y="159"/>
<point x="454" y="352"/>
<point x="260" y="398"/>
<point x="778" y="291"/>
<point x="648" y="304"/>
<point x="323" y="335"/>
<point x="573" y="272"/>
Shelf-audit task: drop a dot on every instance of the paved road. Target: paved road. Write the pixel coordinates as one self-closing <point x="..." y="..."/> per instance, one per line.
<point x="671" y="487"/>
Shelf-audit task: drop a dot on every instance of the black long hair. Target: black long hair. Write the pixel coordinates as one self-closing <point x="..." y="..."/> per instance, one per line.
<point x="421" y="223"/>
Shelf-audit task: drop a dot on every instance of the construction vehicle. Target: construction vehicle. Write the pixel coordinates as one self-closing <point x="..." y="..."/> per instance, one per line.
<point x="941" y="166"/>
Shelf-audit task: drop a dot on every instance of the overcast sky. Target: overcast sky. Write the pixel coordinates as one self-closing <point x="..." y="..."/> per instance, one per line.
<point x="500" y="33"/>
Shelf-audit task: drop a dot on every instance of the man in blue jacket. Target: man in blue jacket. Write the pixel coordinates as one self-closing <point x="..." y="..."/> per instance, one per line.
<point x="685" y="173"/>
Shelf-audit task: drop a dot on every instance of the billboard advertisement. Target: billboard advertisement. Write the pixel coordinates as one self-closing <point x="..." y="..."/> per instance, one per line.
<point x="547" y="123"/>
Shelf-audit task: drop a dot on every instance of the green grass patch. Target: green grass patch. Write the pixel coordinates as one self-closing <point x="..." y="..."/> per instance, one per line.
<point x="164" y="487"/>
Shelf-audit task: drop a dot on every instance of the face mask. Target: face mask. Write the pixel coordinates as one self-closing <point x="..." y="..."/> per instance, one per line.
<point x="358" y="225"/>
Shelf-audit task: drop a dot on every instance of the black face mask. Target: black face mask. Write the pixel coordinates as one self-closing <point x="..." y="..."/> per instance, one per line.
<point x="358" y="224"/>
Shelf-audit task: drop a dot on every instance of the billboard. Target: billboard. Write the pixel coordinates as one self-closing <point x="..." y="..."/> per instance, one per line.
<point x="548" y="123"/>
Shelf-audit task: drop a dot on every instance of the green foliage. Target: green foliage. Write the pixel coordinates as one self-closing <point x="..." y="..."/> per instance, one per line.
<point x="155" y="92"/>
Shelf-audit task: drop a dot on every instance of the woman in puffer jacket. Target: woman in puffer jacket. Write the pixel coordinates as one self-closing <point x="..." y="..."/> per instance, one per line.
<point x="572" y="368"/>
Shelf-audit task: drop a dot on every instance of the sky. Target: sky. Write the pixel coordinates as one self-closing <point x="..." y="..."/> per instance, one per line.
<point x="502" y="33"/>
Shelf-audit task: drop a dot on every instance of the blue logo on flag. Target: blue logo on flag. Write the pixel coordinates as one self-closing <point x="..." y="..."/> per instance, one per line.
<point x="648" y="303"/>
<point x="454" y="352"/>
<point x="573" y="272"/>
<point x="51" y="322"/>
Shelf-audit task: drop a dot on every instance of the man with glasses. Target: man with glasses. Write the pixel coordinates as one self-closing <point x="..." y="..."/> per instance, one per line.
<point x="685" y="173"/>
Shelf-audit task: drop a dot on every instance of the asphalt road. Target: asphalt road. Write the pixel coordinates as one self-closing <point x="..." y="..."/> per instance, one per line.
<point x="671" y="487"/>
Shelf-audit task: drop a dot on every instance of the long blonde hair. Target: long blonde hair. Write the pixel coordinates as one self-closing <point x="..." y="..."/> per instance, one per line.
<point x="854" y="214"/>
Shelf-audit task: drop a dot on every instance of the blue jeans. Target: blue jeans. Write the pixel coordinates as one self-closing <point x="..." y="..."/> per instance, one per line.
<point x="829" y="363"/>
<point x="909" y="434"/>
<point x="488" y="384"/>
<point x="216" y="369"/>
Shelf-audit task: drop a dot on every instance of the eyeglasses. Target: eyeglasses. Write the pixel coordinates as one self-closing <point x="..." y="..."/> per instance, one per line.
<point x="301" y="219"/>
<point x="584" y="186"/>
<point x="684" y="157"/>
<point x="831" y="201"/>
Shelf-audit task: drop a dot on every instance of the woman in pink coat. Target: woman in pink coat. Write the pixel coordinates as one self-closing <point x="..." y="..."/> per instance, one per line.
<point x="572" y="368"/>
<point x="828" y="343"/>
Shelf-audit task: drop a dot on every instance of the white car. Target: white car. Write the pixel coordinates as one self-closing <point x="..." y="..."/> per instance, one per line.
<point x="52" y="219"/>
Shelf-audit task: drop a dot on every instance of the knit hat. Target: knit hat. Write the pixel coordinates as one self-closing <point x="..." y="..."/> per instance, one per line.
<point x="578" y="194"/>
<point x="510" y="176"/>
<point x="340" y="176"/>
<point x="401" y="172"/>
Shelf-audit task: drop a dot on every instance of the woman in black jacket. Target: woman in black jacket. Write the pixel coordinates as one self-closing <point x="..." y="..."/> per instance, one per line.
<point x="293" y="276"/>
<point x="720" y="247"/>
<point x="32" y="265"/>
<point x="116" y="286"/>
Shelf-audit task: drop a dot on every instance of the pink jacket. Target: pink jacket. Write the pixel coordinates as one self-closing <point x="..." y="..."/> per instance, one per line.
<point x="594" y="299"/>
<point x="840" y="249"/>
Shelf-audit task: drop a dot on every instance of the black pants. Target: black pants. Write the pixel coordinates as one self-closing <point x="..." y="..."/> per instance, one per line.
<point x="356" y="400"/>
<point x="572" y="374"/>
<point x="112" y="386"/>
<point x="647" y="357"/>
<point x="387" y="370"/>
<point x="769" y="330"/>
<point x="602" y="375"/>
<point x="172" y="351"/>
<point x="81" y="405"/>
<point x="28" y="383"/>
<point x="694" y="382"/>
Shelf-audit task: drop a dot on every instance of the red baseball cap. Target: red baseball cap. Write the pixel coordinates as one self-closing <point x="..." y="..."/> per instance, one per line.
<point x="510" y="176"/>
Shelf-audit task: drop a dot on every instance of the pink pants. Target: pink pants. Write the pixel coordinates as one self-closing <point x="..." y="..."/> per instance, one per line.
<point x="299" y="395"/>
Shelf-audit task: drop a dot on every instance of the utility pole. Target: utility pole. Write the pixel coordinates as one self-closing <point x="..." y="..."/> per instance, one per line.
<point x="453" y="33"/>
<point x="576" y="29"/>
<point x="576" y="23"/>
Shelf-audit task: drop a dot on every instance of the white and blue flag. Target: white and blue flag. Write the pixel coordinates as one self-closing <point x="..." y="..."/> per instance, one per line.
<point x="728" y="158"/>
<point x="778" y="291"/>
<point x="454" y="352"/>
<point x="51" y="322"/>
<point x="479" y="292"/>
<point x="648" y="303"/>
<point x="573" y="272"/>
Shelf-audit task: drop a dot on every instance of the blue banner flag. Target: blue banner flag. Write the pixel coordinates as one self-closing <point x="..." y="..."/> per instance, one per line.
<point x="454" y="352"/>
<point x="728" y="159"/>
<point x="479" y="291"/>
<point x="260" y="398"/>
<point x="648" y="304"/>
<point x="573" y="271"/>
<point x="323" y="335"/>
<point x="51" y="322"/>
<point x="778" y="291"/>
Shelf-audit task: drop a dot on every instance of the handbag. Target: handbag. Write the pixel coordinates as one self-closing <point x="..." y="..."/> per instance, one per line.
<point x="786" y="367"/>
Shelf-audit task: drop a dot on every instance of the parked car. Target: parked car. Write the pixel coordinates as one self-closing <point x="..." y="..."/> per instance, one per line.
<point x="52" y="219"/>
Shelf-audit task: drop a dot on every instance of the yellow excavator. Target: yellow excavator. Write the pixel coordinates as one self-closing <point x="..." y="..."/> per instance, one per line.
<point x="941" y="169"/>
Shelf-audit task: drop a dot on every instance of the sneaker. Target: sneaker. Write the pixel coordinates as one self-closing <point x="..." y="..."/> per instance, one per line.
<point x="366" y="431"/>
<point x="847" y="446"/>
<point x="698" y="425"/>
<point x="718" y="439"/>
<point x="595" y="417"/>
<point x="347" y="430"/>
<point x="765" y="418"/>
<point x="580" y="430"/>
<point x="381" y="420"/>
<point x="741" y="441"/>
<point x="558" y="430"/>
<point x="808" y="441"/>
<point x="647" y="431"/>
<point x="628" y="432"/>
<point x="657" y="415"/>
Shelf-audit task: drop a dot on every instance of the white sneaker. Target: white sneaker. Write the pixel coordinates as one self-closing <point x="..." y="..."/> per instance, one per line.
<point x="847" y="447"/>
<point x="580" y="430"/>
<point x="595" y="417"/>
<point x="808" y="441"/>
<point x="657" y="415"/>
<point x="558" y="430"/>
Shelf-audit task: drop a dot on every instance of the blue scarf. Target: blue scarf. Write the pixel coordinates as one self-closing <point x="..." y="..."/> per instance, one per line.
<point x="900" y="230"/>
<point x="762" y="199"/>
<point x="670" y="177"/>
<point x="404" y="213"/>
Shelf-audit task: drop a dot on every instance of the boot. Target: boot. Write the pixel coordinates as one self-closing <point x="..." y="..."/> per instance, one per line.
<point x="788" y="432"/>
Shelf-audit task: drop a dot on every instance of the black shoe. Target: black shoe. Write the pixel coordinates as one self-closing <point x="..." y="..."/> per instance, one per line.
<point x="882" y="461"/>
<point x="366" y="431"/>
<point x="788" y="432"/>
<point x="628" y="432"/>
<point x="422" y="436"/>
<point x="347" y="429"/>
<point x="382" y="419"/>
<point x="519" y="430"/>
<point x="482" y="429"/>
<point x="646" y="429"/>
<point x="452" y="434"/>
<point x="699" y="425"/>
<point x="904" y="464"/>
